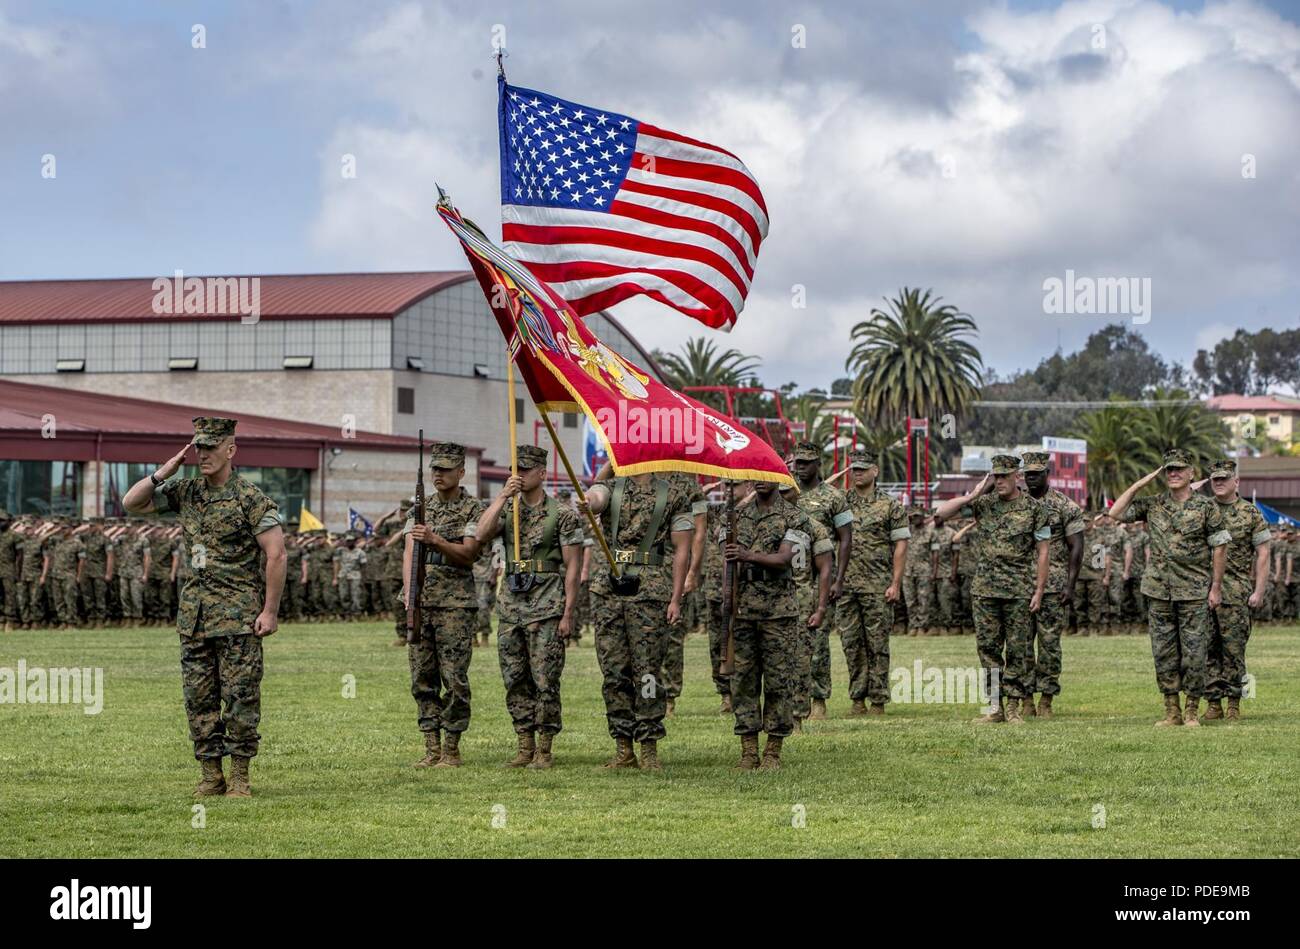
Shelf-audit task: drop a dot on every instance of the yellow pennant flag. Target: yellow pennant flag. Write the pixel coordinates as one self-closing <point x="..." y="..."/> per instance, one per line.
<point x="307" y="522"/>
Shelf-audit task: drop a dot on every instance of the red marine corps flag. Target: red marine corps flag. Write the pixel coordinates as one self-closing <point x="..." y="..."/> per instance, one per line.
<point x="644" y="425"/>
<point x="603" y="207"/>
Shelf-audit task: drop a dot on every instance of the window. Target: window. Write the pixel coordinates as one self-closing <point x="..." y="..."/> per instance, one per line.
<point x="40" y="487"/>
<point x="570" y="419"/>
<point x="405" y="401"/>
<point x="1274" y="420"/>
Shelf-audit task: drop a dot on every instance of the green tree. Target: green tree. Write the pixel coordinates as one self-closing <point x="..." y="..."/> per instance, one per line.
<point x="701" y="363"/>
<point x="1112" y="462"/>
<point x="913" y="361"/>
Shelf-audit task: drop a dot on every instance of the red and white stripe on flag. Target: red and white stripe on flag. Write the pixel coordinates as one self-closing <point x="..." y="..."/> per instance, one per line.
<point x="603" y="208"/>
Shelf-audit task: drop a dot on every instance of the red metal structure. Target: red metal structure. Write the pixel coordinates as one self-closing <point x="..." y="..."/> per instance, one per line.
<point x="786" y="435"/>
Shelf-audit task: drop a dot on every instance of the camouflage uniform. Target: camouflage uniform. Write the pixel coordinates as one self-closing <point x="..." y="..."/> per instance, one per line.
<point x="159" y="588"/>
<point x="675" y="653"/>
<point x="918" y="576"/>
<point x="372" y="575"/>
<point x="65" y="555"/>
<point x="807" y="593"/>
<point x="712" y="588"/>
<point x="1091" y="603"/>
<point x="632" y="631"/>
<point x="485" y="589"/>
<point x="862" y="613"/>
<point x="1065" y="519"/>
<point x="967" y="551"/>
<point x="9" y="544"/>
<point x="1225" y="666"/>
<point x="944" y="607"/>
<point x="291" y="603"/>
<point x="221" y="657"/>
<point x="128" y="565"/>
<point x="320" y="578"/>
<point x="1176" y="583"/>
<point x="1135" y="606"/>
<point x="94" y="585"/>
<point x="440" y="658"/>
<point x="767" y="635"/>
<point x="31" y="600"/>
<point x="1004" y="585"/>
<point x="827" y="504"/>
<point x="529" y="644"/>
<point x="351" y="562"/>
<point x="393" y="580"/>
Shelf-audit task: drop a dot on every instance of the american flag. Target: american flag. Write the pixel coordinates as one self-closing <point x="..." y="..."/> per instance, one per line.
<point x="604" y="207"/>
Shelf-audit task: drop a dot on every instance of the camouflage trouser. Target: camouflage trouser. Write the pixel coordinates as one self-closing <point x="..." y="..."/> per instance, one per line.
<point x="158" y="598"/>
<point x="718" y="646"/>
<point x="1043" y="674"/>
<point x="532" y="661"/>
<point x="1225" y="658"/>
<point x="393" y="589"/>
<point x="31" y="605"/>
<point x="9" y="593"/>
<point x="94" y="595"/>
<point x="945" y="601"/>
<point x="317" y="596"/>
<point x="1135" y="604"/>
<point x="350" y="595"/>
<point x="1002" y="630"/>
<point x="1091" y="605"/>
<point x="376" y="597"/>
<point x="764" y="675"/>
<point x="1264" y="612"/>
<point x="291" y="602"/>
<point x="806" y="644"/>
<point x="439" y="662"/>
<point x="674" y="659"/>
<point x="918" y="592"/>
<point x="64" y="598"/>
<point x="581" y="610"/>
<point x="131" y="593"/>
<point x="222" y="670"/>
<point x="631" y="637"/>
<point x="864" y="621"/>
<point x="1180" y="639"/>
<point x="965" y="615"/>
<point x="821" y="651"/>
<point x="485" y="592"/>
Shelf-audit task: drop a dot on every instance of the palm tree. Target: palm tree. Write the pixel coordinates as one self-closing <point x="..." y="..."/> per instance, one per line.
<point x="913" y="362"/>
<point x="806" y="410"/>
<point x="1114" y="460"/>
<point x="1189" y="425"/>
<point x="700" y="363"/>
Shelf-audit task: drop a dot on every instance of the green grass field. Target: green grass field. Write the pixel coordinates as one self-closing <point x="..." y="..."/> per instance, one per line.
<point x="335" y="779"/>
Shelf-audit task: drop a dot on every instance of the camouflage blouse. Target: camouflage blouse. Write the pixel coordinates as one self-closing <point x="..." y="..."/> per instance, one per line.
<point x="1066" y="519"/>
<point x="634" y="521"/>
<point x="546" y="598"/>
<point x="1181" y="537"/>
<point x="1009" y="536"/>
<point x="445" y="585"/>
<point x="1248" y="529"/>
<point x="764" y="531"/>
<point x="829" y="505"/>
<point x="879" y="521"/>
<point x="227" y="588"/>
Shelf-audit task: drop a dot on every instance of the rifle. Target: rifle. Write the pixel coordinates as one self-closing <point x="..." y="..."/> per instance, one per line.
<point x="415" y="580"/>
<point x="729" y="578"/>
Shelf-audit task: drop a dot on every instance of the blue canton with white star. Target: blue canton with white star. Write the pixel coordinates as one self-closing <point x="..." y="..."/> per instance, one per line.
<point x="558" y="154"/>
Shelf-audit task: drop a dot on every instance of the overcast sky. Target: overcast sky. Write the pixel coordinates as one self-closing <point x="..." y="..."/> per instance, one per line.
<point x="976" y="148"/>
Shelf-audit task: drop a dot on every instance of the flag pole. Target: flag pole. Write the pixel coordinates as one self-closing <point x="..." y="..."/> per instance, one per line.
<point x="582" y="497"/>
<point x="514" y="448"/>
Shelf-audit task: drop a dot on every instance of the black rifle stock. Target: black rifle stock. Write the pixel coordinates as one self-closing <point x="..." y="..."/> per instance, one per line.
<point x="415" y="579"/>
<point x="729" y="577"/>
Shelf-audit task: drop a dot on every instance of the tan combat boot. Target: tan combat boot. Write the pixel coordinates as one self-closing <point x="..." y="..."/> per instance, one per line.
<point x="239" y="786"/>
<point x="1234" y="709"/>
<point x="9" y="626"/>
<point x="725" y="707"/>
<point x="650" y="756"/>
<point x="748" y="753"/>
<point x="1172" y="714"/>
<point x="1045" y="706"/>
<point x="1213" y="709"/>
<point x="542" y="759"/>
<point x="399" y="641"/>
<point x="992" y="715"/>
<point x="798" y="725"/>
<point x="771" y="754"/>
<point x="432" y="750"/>
<point x="624" y="756"/>
<point x="1189" y="711"/>
<point x="877" y="708"/>
<point x="818" y="712"/>
<point x="668" y="710"/>
<point x="524" y="756"/>
<point x="859" y="707"/>
<point x="450" y="751"/>
<point x="1012" y="713"/>
<point x="214" y="782"/>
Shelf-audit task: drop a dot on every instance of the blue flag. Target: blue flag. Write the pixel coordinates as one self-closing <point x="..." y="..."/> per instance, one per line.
<point x="354" y="518"/>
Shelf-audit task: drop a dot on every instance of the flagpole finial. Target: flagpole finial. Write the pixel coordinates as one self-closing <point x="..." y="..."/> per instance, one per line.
<point x="501" y="54"/>
<point x="444" y="201"/>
